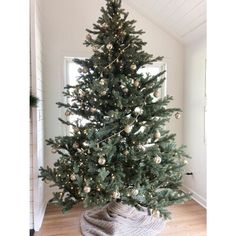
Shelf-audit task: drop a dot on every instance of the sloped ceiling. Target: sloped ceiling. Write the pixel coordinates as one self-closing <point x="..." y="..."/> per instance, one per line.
<point x="183" y="19"/>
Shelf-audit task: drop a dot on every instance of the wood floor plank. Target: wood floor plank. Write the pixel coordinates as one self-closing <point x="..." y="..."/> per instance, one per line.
<point x="188" y="219"/>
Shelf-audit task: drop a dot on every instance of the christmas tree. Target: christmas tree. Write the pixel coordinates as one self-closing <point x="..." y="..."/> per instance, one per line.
<point x="124" y="152"/>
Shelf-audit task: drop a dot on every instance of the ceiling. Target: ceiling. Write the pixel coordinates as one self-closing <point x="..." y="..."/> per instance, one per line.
<point x="183" y="19"/>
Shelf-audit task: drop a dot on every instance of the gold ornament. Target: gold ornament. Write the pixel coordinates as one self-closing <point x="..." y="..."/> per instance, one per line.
<point x="133" y="67"/>
<point x="75" y="145"/>
<point x="87" y="189"/>
<point x="138" y="110"/>
<point x="93" y="109"/>
<point x="156" y="213"/>
<point x="125" y="90"/>
<point x="156" y="94"/>
<point x="134" y="192"/>
<point x="109" y="46"/>
<point x="126" y="152"/>
<point x="67" y="113"/>
<point x="102" y="82"/>
<point x="136" y="83"/>
<point x="157" y="160"/>
<point x="54" y="150"/>
<point x="116" y="195"/>
<point x="103" y="93"/>
<point x="101" y="161"/>
<point x="73" y="177"/>
<point x="157" y="135"/>
<point x="88" y="37"/>
<point x="177" y="115"/>
<point x="128" y="128"/>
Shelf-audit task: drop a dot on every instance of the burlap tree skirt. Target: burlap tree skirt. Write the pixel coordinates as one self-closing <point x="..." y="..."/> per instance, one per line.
<point x="118" y="219"/>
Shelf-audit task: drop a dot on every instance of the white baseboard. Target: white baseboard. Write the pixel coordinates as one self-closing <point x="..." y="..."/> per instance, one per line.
<point x="195" y="196"/>
<point x="38" y="220"/>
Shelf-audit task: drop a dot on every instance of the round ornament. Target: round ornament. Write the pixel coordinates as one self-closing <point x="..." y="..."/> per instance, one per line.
<point x="156" y="213"/>
<point x="156" y="94"/>
<point x="102" y="82"/>
<point x="136" y="83"/>
<point x="103" y="93"/>
<point x="185" y="162"/>
<point x="101" y="161"/>
<point x="67" y="113"/>
<point x="93" y="109"/>
<point x="54" y="150"/>
<point x="104" y="25"/>
<point x="95" y="48"/>
<point x="75" y="145"/>
<point x="116" y="195"/>
<point x="109" y="46"/>
<point x="138" y="110"/>
<point x="157" y="160"/>
<point x="134" y="192"/>
<point x="73" y="177"/>
<point x="87" y="189"/>
<point x="125" y="90"/>
<point x="126" y="152"/>
<point x="133" y="67"/>
<point x="157" y="135"/>
<point x="85" y="69"/>
<point x="128" y="128"/>
<point x="177" y="115"/>
<point x="88" y="37"/>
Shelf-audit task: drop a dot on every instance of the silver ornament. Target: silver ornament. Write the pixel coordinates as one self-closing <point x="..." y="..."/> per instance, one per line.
<point x="109" y="46"/>
<point x="103" y="93"/>
<point x="133" y="67"/>
<point x="156" y="94"/>
<point x="125" y="90"/>
<point x="116" y="195"/>
<point x="73" y="177"/>
<point x="54" y="150"/>
<point x="128" y="128"/>
<point x="87" y="189"/>
<point x="177" y="115"/>
<point x="138" y="110"/>
<point x="101" y="161"/>
<point x="157" y="160"/>
<point x="134" y="192"/>
<point x="102" y="82"/>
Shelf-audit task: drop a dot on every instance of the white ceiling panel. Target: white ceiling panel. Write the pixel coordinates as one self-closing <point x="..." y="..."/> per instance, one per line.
<point x="183" y="19"/>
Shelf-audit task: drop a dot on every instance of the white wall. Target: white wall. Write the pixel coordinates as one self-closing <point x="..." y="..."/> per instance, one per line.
<point x="194" y="105"/>
<point x="37" y="196"/>
<point x="64" y="24"/>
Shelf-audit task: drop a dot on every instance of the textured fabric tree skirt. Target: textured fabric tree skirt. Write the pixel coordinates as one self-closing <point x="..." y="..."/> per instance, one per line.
<point x="118" y="219"/>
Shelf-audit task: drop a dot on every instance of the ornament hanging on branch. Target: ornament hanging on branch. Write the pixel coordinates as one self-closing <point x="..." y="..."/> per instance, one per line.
<point x="134" y="192"/>
<point x="73" y="177"/>
<point x="88" y="37"/>
<point x="177" y="115"/>
<point x="54" y="150"/>
<point x="156" y="94"/>
<point x="136" y="83"/>
<point x="75" y="145"/>
<point x="116" y="195"/>
<point x="87" y="189"/>
<point x="68" y="113"/>
<point x="157" y="135"/>
<point x="128" y="128"/>
<point x="109" y="46"/>
<point x="101" y="161"/>
<point x="133" y="67"/>
<point x="157" y="160"/>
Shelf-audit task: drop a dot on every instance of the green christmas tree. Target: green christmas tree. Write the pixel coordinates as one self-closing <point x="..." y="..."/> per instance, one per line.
<point x="124" y="152"/>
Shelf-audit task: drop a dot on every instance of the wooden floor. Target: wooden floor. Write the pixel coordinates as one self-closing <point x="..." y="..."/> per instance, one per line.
<point x="187" y="220"/>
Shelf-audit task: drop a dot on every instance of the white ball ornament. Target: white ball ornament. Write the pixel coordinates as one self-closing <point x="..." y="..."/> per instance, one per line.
<point x="87" y="189"/>
<point x="128" y="128"/>
<point x="85" y="69"/>
<point x="156" y="213"/>
<point x="88" y="37"/>
<point x="136" y="83"/>
<point x="104" y="25"/>
<point x="75" y="145"/>
<point x="103" y="93"/>
<point x="101" y="161"/>
<point x="185" y="162"/>
<point x="133" y="67"/>
<point x="157" y="135"/>
<point x="93" y="109"/>
<point x="157" y="160"/>
<point x="102" y="82"/>
<point x="95" y="48"/>
<point x="177" y="115"/>
<point x="109" y="46"/>
<point x="54" y="150"/>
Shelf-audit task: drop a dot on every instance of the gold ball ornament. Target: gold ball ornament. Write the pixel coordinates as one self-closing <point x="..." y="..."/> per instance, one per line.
<point x="75" y="145"/>
<point x="67" y="113"/>
<point x="136" y="83"/>
<point x="157" y="135"/>
<point x="54" y="150"/>
<point x="156" y="94"/>
<point x="157" y="160"/>
<point x="101" y="161"/>
<point x="134" y="192"/>
<point x="116" y="195"/>
<point x="87" y="189"/>
<point x="109" y="46"/>
<point x="102" y="82"/>
<point x="88" y="37"/>
<point x="73" y="177"/>
<point x="93" y="109"/>
<point x="133" y="67"/>
<point x="177" y="115"/>
<point x="128" y="129"/>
